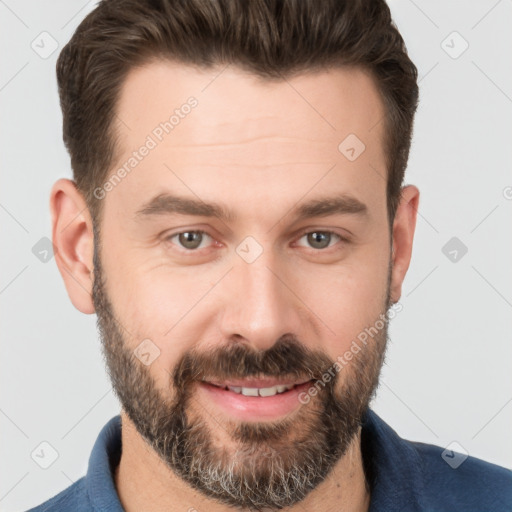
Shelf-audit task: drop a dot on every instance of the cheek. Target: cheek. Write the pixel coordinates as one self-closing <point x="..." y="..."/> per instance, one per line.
<point x="167" y="307"/>
<point x="346" y="300"/>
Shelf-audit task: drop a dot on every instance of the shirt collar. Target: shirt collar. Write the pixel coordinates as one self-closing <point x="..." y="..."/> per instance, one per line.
<point x="393" y="467"/>
<point x="104" y="459"/>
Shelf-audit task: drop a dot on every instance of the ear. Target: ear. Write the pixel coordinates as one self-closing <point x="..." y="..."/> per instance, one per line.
<point x="403" y="234"/>
<point x="73" y="239"/>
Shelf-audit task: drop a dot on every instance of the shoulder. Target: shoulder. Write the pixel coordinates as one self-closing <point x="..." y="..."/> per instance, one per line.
<point x="74" y="498"/>
<point x="418" y="477"/>
<point x="456" y="481"/>
<point x="96" y="490"/>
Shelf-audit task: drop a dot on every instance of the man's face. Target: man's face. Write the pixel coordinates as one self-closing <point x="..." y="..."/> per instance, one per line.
<point x="272" y="293"/>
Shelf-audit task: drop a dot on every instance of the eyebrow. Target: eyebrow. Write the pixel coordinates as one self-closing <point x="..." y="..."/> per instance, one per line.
<point x="167" y="204"/>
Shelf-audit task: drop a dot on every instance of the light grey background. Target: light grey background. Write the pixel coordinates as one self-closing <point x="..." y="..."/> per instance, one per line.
<point x="448" y="372"/>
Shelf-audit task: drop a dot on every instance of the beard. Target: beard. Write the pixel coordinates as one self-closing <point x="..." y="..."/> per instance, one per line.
<point x="266" y="465"/>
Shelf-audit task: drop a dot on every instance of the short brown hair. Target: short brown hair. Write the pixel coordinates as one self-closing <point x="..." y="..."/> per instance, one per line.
<point x="271" y="39"/>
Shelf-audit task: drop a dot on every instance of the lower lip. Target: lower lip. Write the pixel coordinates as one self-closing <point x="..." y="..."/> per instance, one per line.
<point x="254" y="408"/>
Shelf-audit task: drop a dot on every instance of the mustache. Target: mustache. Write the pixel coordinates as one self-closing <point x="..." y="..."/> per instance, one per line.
<point x="286" y="358"/>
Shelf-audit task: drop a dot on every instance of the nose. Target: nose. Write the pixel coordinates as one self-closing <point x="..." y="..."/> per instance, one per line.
<point x="258" y="305"/>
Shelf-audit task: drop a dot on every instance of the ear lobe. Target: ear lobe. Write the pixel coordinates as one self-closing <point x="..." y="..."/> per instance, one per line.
<point x="72" y="234"/>
<point x="404" y="226"/>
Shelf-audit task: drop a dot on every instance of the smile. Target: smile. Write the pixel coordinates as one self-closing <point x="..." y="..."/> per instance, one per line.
<point x="270" y="391"/>
<point x="254" y="399"/>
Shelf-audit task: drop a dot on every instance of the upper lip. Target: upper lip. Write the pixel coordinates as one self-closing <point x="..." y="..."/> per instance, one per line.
<point x="257" y="383"/>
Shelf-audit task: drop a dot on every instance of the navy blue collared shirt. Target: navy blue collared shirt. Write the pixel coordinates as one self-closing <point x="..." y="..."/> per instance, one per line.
<point x="403" y="475"/>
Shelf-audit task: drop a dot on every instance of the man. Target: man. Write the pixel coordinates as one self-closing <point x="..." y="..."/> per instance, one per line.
<point x="238" y="223"/>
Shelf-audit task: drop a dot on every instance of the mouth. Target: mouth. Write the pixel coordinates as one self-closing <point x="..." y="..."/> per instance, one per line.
<point x="255" y="399"/>
<point x="258" y="387"/>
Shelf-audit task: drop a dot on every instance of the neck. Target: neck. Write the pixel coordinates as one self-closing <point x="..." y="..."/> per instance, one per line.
<point x="144" y="482"/>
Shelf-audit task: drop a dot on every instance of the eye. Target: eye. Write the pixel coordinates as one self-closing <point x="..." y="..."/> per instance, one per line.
<point x="320" y="239"/>
<point x="190" y="240"/>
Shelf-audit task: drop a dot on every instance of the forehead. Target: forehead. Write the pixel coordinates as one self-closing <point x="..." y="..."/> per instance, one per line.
<point x="236" y="104"/>
<point x="249" y="129"/>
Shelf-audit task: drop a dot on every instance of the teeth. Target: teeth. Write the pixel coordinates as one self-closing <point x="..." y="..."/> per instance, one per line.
<point x="274" y="390"/>
<point x="250" y="391"/>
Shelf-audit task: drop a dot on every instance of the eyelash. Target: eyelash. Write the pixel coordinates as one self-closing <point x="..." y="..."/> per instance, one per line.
<point x="302" y="235"/>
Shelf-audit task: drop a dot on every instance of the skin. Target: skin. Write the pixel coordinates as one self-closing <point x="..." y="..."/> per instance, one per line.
<point x="259" y="149"/>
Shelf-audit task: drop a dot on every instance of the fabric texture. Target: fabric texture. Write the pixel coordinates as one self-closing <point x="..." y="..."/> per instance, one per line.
<point x="403" y="476"/>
